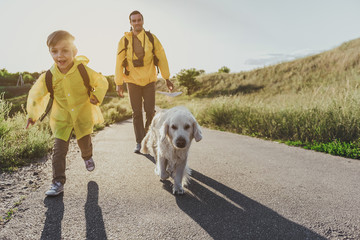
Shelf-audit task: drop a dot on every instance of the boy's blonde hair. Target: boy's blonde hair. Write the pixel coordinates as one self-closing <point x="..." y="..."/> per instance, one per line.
<point x="57" y="36"/>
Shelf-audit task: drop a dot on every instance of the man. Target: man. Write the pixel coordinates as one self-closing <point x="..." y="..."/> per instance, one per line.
<point x="137" y="56"/>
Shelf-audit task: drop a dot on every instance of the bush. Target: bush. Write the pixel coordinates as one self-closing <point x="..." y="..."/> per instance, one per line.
<point x="224" y="70"/>
<point x="28" y="78"/>
<point x="187" y="79"/>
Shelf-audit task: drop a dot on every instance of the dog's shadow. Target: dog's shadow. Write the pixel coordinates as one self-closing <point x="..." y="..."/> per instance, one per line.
<point x="228" y="214"/>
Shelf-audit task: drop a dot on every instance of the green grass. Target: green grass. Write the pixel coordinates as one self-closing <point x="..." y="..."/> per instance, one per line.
<point x="114" y="110"/>
<point x="313" y="101"/>
<point x="19" y="146"/>
<point x="338" y="148"/>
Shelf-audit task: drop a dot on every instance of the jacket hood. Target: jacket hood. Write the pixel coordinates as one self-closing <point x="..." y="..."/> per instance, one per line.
<point x="81" y="59"/>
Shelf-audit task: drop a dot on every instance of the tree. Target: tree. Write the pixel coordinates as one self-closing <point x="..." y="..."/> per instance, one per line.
<point x="224" y="69"/>
<point x="187" y="79"/>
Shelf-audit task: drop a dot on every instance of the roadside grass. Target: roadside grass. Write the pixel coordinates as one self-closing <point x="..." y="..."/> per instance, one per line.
<point x="19" y="146"/>
<point x="114" y="110"/>
<point x="330" y="123"/>
<point x="310" y="102"/>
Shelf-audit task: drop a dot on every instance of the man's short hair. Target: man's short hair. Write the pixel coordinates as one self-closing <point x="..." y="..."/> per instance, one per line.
<point x="57" y="36"/>
<point x="134" y="13"/>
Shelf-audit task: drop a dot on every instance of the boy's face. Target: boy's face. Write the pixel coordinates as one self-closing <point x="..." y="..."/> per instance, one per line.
<point x="63" y="54"/>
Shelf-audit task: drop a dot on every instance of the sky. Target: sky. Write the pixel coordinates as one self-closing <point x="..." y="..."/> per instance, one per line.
<point x="203" y="34"/>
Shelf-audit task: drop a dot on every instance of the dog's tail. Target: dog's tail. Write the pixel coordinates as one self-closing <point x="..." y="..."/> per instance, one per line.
<point x="149" y="143"/>
<point x="186" y="178"/>
<point x="144" y="144"/>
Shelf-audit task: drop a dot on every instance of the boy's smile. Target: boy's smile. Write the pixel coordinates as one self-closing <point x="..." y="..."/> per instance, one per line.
<point x="63" y="54"/>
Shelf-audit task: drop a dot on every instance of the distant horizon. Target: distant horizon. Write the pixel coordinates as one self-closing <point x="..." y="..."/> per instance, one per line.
<point x="201" y="34"/>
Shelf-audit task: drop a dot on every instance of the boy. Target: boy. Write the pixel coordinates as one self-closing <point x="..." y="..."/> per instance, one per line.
<point x="73" y="109"/>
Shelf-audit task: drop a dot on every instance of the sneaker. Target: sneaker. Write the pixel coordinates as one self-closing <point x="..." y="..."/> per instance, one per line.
<point x="137" y="148"/>
<point x="55" y="189"/>
<point x="89" y="164"/>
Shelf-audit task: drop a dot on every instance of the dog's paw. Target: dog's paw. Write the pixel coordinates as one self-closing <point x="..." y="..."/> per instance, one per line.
<point x="178" y="191"/>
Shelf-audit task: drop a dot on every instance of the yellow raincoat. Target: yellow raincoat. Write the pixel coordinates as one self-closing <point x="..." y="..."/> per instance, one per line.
<point x="71" y="108"/>
<point x="140" y="75"/>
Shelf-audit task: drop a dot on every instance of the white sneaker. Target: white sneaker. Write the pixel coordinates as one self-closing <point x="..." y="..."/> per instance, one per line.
<point x="137" y="148"/>
<point x="55" y="189"/>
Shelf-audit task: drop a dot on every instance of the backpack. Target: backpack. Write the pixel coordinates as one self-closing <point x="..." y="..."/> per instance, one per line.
<point x="125" y="62"/>
<point x="48" y="81"/>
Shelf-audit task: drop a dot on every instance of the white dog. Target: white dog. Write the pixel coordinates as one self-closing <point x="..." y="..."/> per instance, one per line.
<point x="168" y="140"/>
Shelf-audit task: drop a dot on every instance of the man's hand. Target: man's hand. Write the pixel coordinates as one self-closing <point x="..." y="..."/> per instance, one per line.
<point x="29" y="121"/>
<point x="120" y="90"/>
<point x="170" y="85"/>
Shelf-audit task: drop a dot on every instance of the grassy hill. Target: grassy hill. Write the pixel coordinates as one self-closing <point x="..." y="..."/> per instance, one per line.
<point x="336" y="68"/>
<point x="311" y="102"/>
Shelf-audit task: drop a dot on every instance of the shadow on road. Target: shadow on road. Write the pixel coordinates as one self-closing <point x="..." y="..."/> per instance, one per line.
<point x="228" y="214"/>
<point x="232" y="215"/>
<point x="54" y="216"/>
<point x="148" y="156"/>
<point x="95" y="228"/>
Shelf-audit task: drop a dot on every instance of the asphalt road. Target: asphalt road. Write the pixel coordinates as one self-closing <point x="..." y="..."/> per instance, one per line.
<point x="241" y="188"/>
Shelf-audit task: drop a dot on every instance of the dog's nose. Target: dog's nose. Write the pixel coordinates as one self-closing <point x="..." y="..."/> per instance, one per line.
<point x="180" y="142"/>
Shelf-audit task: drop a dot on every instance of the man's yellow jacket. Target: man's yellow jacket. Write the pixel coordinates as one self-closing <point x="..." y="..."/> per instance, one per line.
<point x="140" y="75"/>
<point x="71" y="109"/>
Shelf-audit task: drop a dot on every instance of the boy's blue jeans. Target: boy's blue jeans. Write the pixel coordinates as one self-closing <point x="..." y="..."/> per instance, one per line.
<point x="61" y="148"/>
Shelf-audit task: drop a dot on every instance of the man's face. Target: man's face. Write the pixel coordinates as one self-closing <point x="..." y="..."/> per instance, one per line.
<point x="136" y="22"/>
<point x="63" y="54"/>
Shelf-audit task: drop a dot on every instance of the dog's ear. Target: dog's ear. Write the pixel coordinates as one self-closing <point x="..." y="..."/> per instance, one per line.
<point x="164" y="130"/>
<point x="197" y="131"/>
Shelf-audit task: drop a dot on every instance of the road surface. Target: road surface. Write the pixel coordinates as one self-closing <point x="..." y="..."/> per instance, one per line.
<point x="241" y="188"/>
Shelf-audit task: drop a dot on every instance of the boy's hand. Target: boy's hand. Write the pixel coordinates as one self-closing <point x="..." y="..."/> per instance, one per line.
<point x="94" y="100"/>
<point x="170" y="85"/>
<point x="30" y="121"/>
<point x="120" y="90"/>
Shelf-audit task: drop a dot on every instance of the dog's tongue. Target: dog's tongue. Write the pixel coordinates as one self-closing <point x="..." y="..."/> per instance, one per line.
<point x="172" y="94"/>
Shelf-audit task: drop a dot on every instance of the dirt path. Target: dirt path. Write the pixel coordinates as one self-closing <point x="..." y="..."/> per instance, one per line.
<point x="241" y="188"/>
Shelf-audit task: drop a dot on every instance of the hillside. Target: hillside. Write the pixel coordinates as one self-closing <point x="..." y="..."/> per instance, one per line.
<point x="311" y="102"/>
<point x="336" y="68"/>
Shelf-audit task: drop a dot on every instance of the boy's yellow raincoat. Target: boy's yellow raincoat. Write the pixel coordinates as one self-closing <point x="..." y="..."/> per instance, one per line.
<point x="140" y="76"/>
<point x="71" y="108"/>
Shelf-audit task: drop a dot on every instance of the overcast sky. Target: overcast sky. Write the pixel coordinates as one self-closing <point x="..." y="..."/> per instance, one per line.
<point x="201" y="34"/>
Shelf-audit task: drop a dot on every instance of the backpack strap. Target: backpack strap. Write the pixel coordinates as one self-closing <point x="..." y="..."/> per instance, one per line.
<point x="85" y="77"/>
<point x="125" y="48"/>
<point x="49" y="86"/>
<point x="156" y="60"/>
<point x="125" y="62"/>
<point x="48" y="81"/>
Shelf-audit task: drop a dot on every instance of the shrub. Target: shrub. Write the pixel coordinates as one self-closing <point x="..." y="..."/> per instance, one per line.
<point x="187" y="79"/>
<point x="224" y="69"/>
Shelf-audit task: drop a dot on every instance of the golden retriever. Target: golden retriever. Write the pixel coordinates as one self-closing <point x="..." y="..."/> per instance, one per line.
<point x="168" y="140"/>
